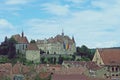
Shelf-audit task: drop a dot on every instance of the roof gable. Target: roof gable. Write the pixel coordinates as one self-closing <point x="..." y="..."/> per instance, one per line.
<point x="20" y="39"/>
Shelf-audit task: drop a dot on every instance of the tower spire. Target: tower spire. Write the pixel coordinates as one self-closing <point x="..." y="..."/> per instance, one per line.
<point x="22" y="33"/>
<point x="73" y="39"/>
<point x="62" y="32"/>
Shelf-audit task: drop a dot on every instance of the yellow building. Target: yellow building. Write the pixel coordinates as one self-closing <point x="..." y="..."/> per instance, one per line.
<point x="60" y="44"/>
<point x="33" y="53"/>
<point x="110" y="59"/>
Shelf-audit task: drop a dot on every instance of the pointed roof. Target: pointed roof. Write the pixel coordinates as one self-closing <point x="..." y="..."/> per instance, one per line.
<point x="20" y="39"/>
<point x="110" y="56"/>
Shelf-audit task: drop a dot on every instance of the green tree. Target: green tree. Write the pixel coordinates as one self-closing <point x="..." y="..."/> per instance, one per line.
<point x="73" y="57"/>
<point x="8" y="48"/>
<point x="32" y="41"/>
<point x="84" y="52"/>
<point x="12" y="49"/>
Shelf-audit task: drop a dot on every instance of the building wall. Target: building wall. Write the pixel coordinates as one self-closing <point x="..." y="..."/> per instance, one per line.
<point x="97" y="58"/>
<point x="33" y="55"/>
<point x="20" y="48"/>
<point x="57" y="48"/>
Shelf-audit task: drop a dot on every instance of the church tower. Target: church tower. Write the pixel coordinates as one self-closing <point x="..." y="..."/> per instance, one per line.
<point x="22" y="34"/>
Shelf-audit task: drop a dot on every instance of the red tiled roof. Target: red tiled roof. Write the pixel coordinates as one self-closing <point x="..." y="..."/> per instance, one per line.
<point x="92" y="66"/>
<point x="16" y="68"/>
<point x="44" y="75"/>
<point x="69" y="77"/>
<point x="75" y="63"/>
<point x="89" y="65"/>
<point x="58" y="38"/>
<point x="5" y="69"/>
<point x="20" y="39"/>
<point x="20" y="68"/>
<point x="110" y="56"/>
<point x="73" y="77"/>
<point x="32" y="46"/>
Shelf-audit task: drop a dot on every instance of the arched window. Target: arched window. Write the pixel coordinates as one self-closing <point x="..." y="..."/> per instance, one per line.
<point x="112" y="69"/>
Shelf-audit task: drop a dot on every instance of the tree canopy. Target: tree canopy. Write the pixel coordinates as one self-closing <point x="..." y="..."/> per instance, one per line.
<point x="8" y="47"/>
<point x="84" y="52"/>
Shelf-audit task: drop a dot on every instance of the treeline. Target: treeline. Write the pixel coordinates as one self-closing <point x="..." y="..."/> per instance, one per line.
<point x="85" y="53"/>
<point x="7" y="48"/>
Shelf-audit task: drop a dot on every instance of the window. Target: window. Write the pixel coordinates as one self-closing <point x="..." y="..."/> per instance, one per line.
<point x="112" y="69"/>
<point x="108" y="69"/>
<point x="23" y="46"/>
<point x="26" y="46"/>
<point x="116" y="69"/>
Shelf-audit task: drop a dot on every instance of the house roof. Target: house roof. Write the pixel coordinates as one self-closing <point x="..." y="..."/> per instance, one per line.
<point x="110" y="56"/>
<point x="5" y="69"/>
<point x="44" y="74"/>
<point x="89" y="64"/>
<point x="92" y="66"/>
<point x="72" y="77"/>
<point x="68" y="77"/>
<point x="20" y="39"/>
<point x="20" y="68"/>
<point x="32" y="46"/>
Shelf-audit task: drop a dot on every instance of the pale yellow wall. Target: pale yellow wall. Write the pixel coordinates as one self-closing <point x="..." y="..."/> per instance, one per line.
<point x="97" y="58"/>
<point x="57" y="47"/>
<point x="32" y="55"/>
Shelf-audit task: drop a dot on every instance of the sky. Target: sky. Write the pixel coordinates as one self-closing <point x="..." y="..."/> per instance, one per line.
<point x="94" y="23"/>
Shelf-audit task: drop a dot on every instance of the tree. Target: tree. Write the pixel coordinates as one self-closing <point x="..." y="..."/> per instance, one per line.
<point x="73" y="57"/>
<point x="4" y="47"/>
<point x="8" y="48"/>
<point x="42" y="59"/>
<point x="32" y="41"/>
<point x="12" y="49"/>
<point x="85" y="52"/>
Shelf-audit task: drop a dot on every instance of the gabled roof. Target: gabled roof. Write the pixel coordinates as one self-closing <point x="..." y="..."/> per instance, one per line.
<point x="73" y="77"/>
<point x="110" y="56"/>
<point x="20" y="39"/>
<point x="32" y="46"/>
<point x="89" y="64"/>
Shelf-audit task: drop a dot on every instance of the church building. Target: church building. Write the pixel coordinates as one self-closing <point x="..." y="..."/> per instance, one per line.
<point x="60" y="44"/>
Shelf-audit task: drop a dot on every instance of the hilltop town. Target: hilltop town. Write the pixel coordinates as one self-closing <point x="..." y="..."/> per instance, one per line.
<point x="56" y="58"/>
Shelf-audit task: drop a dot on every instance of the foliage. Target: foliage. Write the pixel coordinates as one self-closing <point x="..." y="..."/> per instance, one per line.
<point x="42" y="59"/>
<point x="8" y="48"/>
<point x="84" y="52"/>
<point x="38" y="78"/>
<point x="32" y="41"/>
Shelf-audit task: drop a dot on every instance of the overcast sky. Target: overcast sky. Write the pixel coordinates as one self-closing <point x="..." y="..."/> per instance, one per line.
<point x="94" y="23"/>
